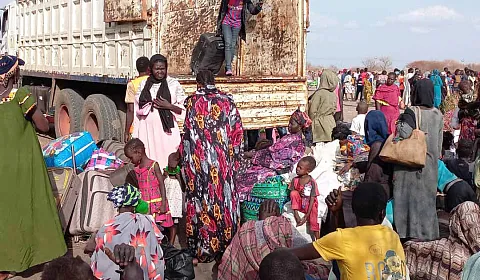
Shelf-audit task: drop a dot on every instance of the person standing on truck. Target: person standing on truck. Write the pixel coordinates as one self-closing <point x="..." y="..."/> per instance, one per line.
<point x="157" y="108"/>
<point x="143" y="69"/>
<point x="231" y="24"/>
<point x="30" y="229"/>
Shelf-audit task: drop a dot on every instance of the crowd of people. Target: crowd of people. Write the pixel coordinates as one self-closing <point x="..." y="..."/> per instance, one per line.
<point x="385" y="219"/>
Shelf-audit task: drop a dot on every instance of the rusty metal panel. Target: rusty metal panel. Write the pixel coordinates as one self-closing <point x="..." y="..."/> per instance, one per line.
<point x="266" y="102"/>
<point x="275" y="37"/>
<point x="182" y="24"/>
<point x="125" y="10"/>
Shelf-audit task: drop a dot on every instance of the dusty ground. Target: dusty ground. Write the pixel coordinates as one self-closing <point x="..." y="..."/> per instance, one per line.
<point x="202" y="271"/>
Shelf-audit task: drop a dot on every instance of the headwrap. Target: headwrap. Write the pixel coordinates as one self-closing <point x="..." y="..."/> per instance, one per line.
<point x="376" y="128"/>
<point x="423" y="93"/>
<point x="124" y="196"/>
<point x="302" y="119"/>
<point x="166" y="116"/>
<point x="305" y="123"/>
<point x="8" y="67"/>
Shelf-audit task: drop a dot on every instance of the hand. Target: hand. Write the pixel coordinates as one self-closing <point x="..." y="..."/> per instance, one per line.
<point x="123" y="254"/>
<point x="345" y="168"/>
<point x="302" y="221"/>
<point x="163" y="209"/>
<point x="161" y="104"/>
<point x="126" y="137"/>
<point x="248" y="154"/>
<point x="334" y="200"/>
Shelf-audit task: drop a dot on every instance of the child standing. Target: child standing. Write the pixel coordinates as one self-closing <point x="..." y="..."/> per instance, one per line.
<point x="358" y="123"/>
<point x="150" y="182"/>
<point x="304" y="194"/>
<point x="175" y="191"/>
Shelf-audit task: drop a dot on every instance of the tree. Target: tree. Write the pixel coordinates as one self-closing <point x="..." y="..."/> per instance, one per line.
<point x="384" y="63"/>
<point x="370" y="63"/>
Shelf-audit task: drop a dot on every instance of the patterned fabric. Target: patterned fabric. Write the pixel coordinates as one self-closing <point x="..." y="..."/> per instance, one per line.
<point x="103" y="160"/>
<point x="175" y="196"/>
<point x="8" y="67"/>
<point x="280" y="157"/>
<point x="467" y="128"/>
<point x="211" y="149"/>
<point x="123" y="196"/>
<point x="150" y="188"/>
<point x="254" y="241"/>
<point x="356" y="146"/>
<point x="137" y="230"/>
<point x="445" y="258"/>
<point x="233" y="17"/>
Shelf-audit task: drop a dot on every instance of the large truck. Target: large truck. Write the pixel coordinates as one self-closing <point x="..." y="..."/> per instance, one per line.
<point x="80" y="54"/>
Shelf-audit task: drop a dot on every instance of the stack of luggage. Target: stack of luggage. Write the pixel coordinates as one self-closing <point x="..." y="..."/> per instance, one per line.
<point x="80" y="172"/>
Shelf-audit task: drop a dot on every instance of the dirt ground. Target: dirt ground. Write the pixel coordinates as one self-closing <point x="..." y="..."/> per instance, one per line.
<point x="202" y="271"/>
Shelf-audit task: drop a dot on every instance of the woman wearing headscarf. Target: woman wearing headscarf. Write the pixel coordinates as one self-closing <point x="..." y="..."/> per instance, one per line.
<point x="256" y="239"/>
<point x="376" y="133"/>
<point x="323" y="104"/>
<point x="211" y="149"/>
<point x="30" y="229"/>
<point x="437" y="88"/>
<point x="415" y="190"/>
<point x="157" y="108"/>
<point x="445" y="258"/>
<point x="278" y="158"/>
<point x="131" y="226"/>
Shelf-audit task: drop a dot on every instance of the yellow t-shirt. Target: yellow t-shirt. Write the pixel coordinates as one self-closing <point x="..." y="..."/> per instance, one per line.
<point x="132" y="89"/>
<point x="365" y="252"/>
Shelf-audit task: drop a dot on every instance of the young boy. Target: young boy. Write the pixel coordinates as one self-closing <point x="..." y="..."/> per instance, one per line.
<point x="460" y="166"/>
<point x="143" y="68"/>
<point x="358" y="123"/>
<point x="368" y="251"/>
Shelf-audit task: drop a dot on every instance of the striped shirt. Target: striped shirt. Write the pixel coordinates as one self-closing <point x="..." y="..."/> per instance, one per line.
<point x="233" y="17"/>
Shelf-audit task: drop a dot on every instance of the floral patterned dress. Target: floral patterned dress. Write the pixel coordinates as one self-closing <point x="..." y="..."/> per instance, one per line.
<point x="211" y="149"/>
<point x="137" y="230"/>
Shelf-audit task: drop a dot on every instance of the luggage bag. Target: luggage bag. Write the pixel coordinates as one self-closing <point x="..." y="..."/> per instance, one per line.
<point x="208" y="54"/>
<point x="93" y="209"/>
<point x="65" y="187"/>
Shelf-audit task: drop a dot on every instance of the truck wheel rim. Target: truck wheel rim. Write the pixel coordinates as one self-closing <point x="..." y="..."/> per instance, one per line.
<point x="91" y="125"/>
<point x="64" y="121"/>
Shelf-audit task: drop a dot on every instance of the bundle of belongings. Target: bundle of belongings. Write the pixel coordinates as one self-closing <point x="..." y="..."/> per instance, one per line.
<point x="80" y="171"/>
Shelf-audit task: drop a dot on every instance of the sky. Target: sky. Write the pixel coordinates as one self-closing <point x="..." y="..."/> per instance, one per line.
<point x="345" y="33"/>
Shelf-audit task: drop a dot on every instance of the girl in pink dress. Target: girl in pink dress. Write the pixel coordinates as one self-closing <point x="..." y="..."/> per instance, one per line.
<point x="150" y="182"/>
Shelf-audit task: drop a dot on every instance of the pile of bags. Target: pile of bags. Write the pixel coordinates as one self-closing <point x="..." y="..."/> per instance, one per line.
<point x="80" y="172"/>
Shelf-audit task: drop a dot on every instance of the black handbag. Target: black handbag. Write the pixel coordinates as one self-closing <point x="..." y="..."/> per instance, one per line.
<point x="178" y="263"/>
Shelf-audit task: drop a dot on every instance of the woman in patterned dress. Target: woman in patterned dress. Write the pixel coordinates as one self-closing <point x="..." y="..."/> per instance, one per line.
<point x="211" y="150"/>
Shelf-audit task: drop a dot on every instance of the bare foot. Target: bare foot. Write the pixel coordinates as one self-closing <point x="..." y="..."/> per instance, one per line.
<point x="195" y="262"/>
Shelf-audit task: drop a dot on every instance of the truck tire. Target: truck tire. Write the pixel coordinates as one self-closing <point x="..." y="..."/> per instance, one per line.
<point x="100" y="118"/>
<point x="123" y="120"/>
<point x="68" y="111"/>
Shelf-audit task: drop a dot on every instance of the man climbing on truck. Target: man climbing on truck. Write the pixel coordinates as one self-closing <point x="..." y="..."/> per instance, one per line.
<point x="231" y="24"/>
<point x="143" y="69"/>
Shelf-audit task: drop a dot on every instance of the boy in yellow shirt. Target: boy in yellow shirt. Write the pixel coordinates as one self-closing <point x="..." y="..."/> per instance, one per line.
<point x="368" y="251"/>
<point x="143" y="68"/>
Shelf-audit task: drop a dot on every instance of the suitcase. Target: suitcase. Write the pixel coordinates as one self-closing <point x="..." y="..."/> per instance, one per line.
<point x="65" y="187"/>
<point x="208" y="54"/>
<point x="58" y="153"/>
<point x="93" y="209"/>
<point x="125" y="174"/>
<point x="116" y="147"/>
